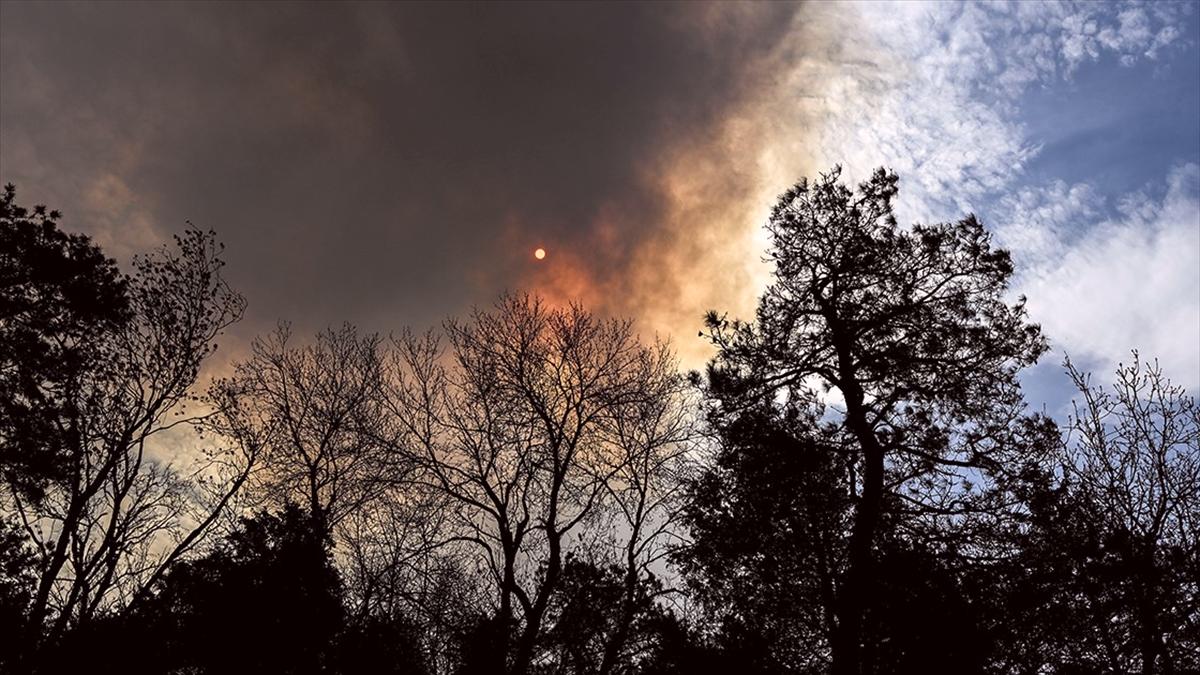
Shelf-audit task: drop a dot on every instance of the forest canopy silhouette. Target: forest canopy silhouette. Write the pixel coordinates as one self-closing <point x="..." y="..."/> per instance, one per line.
<point x="855" y="483"/>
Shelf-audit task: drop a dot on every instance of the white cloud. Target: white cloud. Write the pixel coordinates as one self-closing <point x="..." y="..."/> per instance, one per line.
<point x="932" y="89"/>
<point x="1036" y="223"/>
<point x="1128" y="283"/>
<point x="1136" y="31"/>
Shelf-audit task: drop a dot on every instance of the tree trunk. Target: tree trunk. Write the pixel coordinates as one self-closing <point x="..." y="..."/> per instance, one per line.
<point x="853" y="593"/>
<point x="533" y="618"/>
<point x="1148" y="608"/>
<point x="628" y="604"/>
<point x="506" y="612"/>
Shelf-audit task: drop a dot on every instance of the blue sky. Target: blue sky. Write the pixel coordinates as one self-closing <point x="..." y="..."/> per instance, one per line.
<point x="1121" y="129"/>
<point x="1117" y="126"/>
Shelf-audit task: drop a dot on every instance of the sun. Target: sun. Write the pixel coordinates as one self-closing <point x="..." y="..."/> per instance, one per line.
<point x="540" y="253"/>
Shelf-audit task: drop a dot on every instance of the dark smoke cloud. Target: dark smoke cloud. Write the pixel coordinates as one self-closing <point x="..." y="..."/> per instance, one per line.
<point x="381" y="163"/>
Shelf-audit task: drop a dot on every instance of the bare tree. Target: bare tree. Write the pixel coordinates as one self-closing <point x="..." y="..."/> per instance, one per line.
<point x="516" y="425"/>
<point x="394" y="566"/>
<point x="120" y="513"/>
<point x="652" y="434"/>
<point x="314" y="411"/>
<point x="1135" y="460"/>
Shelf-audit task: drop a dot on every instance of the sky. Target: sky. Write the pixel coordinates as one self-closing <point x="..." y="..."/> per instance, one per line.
<point x="394" y="164"/>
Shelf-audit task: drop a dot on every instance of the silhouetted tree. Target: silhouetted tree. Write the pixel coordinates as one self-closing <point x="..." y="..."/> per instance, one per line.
<point x="911" y="329"/>
<point x="1136" y="460"/>
<point x="596" y="625"/>
<point x="481" y="644"/>
<point x="681" y="649"/>
<point x="652" y="435"/>
<point x="394" y="563"/>
<point x="105" y="365"/>
<point x="767" y="520"/>
<point x="18" y="579"/>
<point x="516" y="429"/>
<point x="314" y="412"/>
<point x="1107" y="576"/>
<point x="925" y="616"/>
<point x="380" y="645"/>
<point x="1034" y="590"/>
<point x="266" y="599"/>
<point x="59" y="294"/>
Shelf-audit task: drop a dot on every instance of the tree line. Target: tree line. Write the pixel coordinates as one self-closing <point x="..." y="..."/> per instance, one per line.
<point x="855" y="483"/>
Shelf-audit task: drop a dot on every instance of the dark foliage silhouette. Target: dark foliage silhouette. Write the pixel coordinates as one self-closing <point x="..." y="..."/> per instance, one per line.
<point x="123" y="356"/>
<point x="267" y="600"/>
<point x="58" y="295"/>
<point x="1108" y="563"/>
<point x="766" y="521"/>
<point x="270" y="596"/>
<point x="855" y="486"/>
<point x="18" y="577"/>
<point x="379" y="644"/>
<point x="769" y="522"/>
<point x="591" y="613"/>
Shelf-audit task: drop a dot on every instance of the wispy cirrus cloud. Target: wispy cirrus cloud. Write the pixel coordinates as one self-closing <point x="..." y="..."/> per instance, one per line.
<point x="934" y="89"/>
